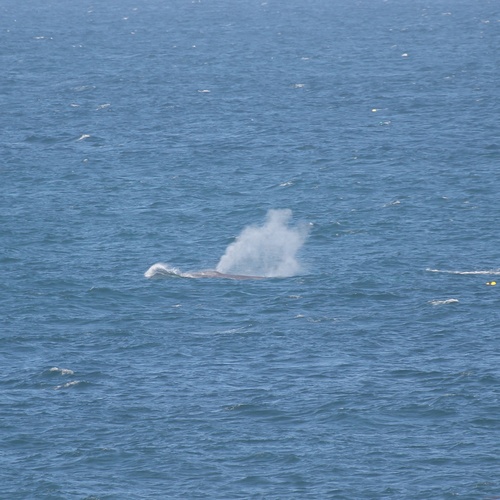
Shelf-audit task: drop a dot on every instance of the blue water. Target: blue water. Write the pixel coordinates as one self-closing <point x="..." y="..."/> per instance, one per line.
<point x="141" y="132"/>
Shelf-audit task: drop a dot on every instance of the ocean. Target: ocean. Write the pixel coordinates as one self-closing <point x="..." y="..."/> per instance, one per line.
<point x="249" y="249"/>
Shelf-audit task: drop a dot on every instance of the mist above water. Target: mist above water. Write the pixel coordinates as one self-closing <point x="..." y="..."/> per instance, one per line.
<point x="268" y="250"/>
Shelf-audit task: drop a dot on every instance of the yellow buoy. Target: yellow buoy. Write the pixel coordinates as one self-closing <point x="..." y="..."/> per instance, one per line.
<point x="491" y="283"/>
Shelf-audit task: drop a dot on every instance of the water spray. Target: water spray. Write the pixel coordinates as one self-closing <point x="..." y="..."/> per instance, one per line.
<point x="265" y="251"/>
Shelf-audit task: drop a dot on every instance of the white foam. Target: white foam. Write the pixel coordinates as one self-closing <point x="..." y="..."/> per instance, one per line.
<point x="62" y="371"/>
<point x="443" y="302"/>
<point x="159" y="269"/>
<point x="67" y="385"/>
<point x="495" y="272"/>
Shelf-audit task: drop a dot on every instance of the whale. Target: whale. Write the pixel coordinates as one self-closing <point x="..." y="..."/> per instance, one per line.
<point x="160" y="270"/>
<point x="211" y="273"/>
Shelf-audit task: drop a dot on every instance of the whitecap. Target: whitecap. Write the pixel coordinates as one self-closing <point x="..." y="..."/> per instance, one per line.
<point x="61" y="371"/>
<point x="392" y="203"/>
<point x="67" y="385"/>
<point x="443" y="302"/>
<point x="495" y="272"/>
